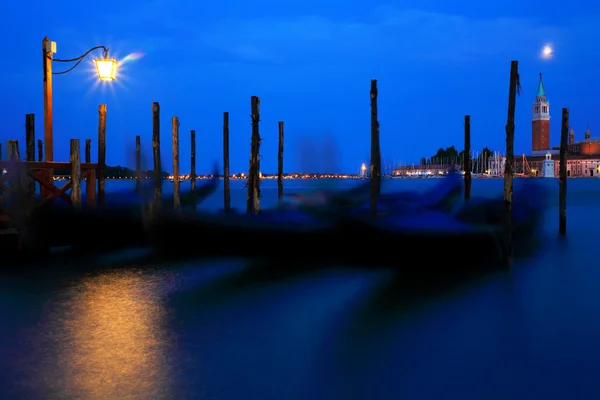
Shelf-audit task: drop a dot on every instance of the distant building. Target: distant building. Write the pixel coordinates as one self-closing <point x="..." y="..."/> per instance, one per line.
<point x="548" y="167"/>
<point x="583" y="157"/>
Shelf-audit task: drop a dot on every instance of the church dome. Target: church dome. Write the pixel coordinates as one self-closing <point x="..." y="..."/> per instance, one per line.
<point x="590" y="146"/>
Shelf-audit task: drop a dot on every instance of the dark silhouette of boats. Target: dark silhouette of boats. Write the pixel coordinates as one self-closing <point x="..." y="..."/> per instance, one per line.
<point x="414" y="232"/>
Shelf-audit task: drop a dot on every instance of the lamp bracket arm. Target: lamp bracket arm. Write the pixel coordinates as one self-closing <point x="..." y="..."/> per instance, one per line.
<point x="79" y="59"/>
<point x="84" y="55"/>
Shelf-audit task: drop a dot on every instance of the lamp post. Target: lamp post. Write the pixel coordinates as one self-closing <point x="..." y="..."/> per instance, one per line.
<point x="106" y="68"/>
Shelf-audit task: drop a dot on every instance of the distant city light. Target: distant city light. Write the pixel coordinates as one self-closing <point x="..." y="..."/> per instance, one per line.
<point x="547" y="51"/>
<point x="363" y="170"/>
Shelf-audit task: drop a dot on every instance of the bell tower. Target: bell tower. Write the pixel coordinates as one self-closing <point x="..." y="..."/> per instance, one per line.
<point x="540" y="122"/>
<point x="571" y="136"/>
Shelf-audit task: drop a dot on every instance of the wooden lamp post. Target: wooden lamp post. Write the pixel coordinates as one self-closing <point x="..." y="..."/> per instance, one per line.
<point x="107" y="71"/>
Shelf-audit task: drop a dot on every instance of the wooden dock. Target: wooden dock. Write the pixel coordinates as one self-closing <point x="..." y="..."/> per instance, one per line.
<point x="26" y="185"/>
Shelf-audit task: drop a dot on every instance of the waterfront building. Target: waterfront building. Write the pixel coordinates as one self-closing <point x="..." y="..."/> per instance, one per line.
<point x="583" y="157"/>
<point x="548" y="167"/>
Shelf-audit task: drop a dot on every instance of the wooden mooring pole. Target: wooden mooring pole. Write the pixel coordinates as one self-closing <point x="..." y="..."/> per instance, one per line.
<point x="13" y="150"/>
<point x="101" y="155"/>
<point x="40" y="150"/>
<point x="156" y="154"/>
<point x="88" y="150"/>
<point x="138" y="164"/>
<point x="562" y="188"/>
<point x="467" y="157"/>
<point x="193" y="162"/>
<point x="30" y="137"/>
<point x="280" y="163"/>
<point x="176" y="181"/>
<point x="253" y="200"/>
<point x="226" y="173"/>
<point x="30" y="149"/>
<point x="90" y="180"/>
<point x="509" y="164"/>
<point x="75" y="174"/>
<point x="375" y="150"/>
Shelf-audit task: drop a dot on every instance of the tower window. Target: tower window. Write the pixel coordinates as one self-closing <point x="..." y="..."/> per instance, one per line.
<point x="537" y="109"/>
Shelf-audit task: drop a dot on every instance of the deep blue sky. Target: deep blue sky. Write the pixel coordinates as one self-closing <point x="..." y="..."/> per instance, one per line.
<point x="311" y="63"/>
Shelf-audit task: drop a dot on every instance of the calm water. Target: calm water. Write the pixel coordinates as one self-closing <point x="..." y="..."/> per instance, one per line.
<point x="215" y="330"/>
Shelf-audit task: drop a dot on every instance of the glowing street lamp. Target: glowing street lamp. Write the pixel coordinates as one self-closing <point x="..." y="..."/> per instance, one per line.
<point x="105" y="66"/>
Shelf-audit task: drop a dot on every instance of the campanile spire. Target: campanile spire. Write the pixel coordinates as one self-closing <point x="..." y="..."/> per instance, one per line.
<point x="541" y="92"/>
<point x="540" y="126"/>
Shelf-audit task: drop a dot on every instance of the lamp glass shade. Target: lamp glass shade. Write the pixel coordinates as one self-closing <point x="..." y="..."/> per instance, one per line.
<point x="107" y="68"/>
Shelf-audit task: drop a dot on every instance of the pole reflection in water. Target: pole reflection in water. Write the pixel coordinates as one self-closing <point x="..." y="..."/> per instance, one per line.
<point x="115" y="343"/>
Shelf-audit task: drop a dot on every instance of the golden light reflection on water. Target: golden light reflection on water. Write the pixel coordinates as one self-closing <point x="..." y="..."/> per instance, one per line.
<point x="115" y="343"/>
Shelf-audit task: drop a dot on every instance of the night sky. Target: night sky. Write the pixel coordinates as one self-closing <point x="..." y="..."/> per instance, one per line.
<point x="311" y="63"/>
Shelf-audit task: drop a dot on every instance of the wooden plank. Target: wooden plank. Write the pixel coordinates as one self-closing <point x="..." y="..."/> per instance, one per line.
<point x="55" y="192"/>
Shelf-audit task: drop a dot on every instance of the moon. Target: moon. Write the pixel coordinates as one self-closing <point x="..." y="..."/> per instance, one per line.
<point x="547" y="51"/>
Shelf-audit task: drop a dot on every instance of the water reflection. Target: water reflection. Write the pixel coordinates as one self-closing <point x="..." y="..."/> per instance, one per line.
<point x="115" y="342"/>
<point x="530" y="332"/>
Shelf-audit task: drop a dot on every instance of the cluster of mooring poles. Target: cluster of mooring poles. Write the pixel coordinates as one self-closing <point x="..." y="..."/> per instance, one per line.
<point x="513" y="90"/>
